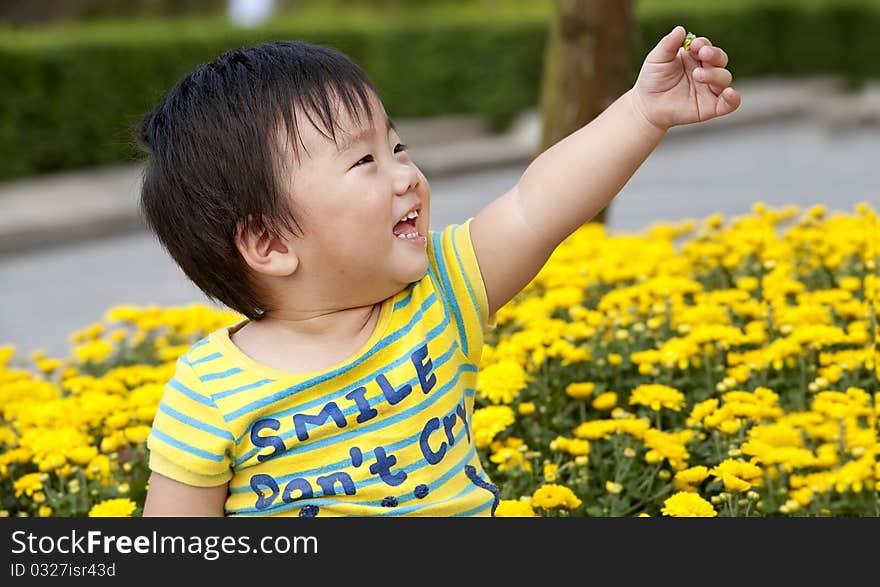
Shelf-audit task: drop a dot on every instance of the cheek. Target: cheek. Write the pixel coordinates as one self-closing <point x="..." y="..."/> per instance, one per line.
<point x="424" y="191"/>
<point x="365" y="233"/>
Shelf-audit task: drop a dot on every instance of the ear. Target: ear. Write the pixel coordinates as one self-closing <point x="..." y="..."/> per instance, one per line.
<point x="265" y="253"/>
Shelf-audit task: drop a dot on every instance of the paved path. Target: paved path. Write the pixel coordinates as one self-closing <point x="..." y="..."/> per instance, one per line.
<point x="48" y="293"/>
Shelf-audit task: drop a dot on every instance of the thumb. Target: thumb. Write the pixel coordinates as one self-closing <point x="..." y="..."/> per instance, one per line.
<point x="667" y="48"/>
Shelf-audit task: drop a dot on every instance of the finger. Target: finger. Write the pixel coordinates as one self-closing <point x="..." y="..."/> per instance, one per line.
<point x="712" y="55"/>
<point x="716" y="77"/>
<point x="728" y="101"/>
<point x="698" y="43"/>
<point x="668" y="47"/>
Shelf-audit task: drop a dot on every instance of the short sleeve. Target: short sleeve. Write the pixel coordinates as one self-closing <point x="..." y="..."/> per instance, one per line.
<point x="452" y="257"/>
<point x="189" y="441"/>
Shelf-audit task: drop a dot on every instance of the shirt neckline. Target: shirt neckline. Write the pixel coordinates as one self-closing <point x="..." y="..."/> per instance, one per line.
<point x="228" y="348"/>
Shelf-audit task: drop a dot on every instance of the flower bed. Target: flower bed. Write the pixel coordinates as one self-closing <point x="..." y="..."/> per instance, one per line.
<point x="689" y="371"/>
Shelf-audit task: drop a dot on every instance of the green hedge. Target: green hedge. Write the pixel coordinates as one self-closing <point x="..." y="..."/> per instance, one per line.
<point x="71" y="97"/>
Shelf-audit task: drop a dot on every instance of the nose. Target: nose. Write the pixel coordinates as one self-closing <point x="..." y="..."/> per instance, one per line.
<point x="406" y="177"/>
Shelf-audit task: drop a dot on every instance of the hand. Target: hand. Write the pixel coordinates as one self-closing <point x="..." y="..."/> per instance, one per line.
<point x="677" y="87"/>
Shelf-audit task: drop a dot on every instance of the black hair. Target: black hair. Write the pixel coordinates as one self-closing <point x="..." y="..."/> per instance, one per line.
<point x="214" y="162"/>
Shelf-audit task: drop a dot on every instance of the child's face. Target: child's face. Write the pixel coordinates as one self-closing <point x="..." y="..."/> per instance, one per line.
<point x="349" y="199"/>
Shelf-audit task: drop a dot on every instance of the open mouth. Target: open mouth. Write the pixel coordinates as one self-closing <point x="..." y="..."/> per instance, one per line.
<point x="406" y="226"/>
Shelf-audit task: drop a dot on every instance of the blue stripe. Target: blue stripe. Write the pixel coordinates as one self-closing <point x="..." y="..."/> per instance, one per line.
<point x="220" y="374"/>
<point x="467" y="280"/>
<point x="435" y="283"/>
<point x="190" y="393"/>
<point x="332" y="467"/>
<point x="450" y="293"/>
<point x="363" y="429"/>
<point x="240" y="388"/>
<point x="457" y="468"/>
<point x="190" y="421"/>
<point x="199" y="343"/>
<point x="405" y="300"/>
<point x="185" y="447"/>
<point x="210" y="357"/>
<point x="473" y="511"/>
<point x="285" y="393"/>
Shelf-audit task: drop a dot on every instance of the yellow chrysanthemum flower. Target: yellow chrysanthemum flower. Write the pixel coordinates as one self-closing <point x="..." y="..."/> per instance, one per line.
<point x="613" y="488"/>
<point x="734" y="483"/>
<point x="686" y="504"/>
<point x="605" y="401"/>
<point x="581" y="390"/>
<point x="551" y="496"/>
<point x="501" y="382"/>
<point x="120" y="507"/>
<point x="48" y="365"/>
<point x="577" y="447"/>
<point x="95" y="351"/>
<point x="6" y="353"/>
<point x="514" y="508"/>
<point x="489" y="422"/>
<point x="687" y="478"/>
<point x="741" y="469"/>
<point x="657" y="396"/>
<point x="525" y="408"/>
<point x="28" y="484"/>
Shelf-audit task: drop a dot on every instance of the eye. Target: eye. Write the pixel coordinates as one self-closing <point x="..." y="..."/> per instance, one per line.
<point x="367" y="158"/>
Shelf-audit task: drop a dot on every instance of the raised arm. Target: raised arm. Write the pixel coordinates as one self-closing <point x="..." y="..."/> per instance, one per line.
<point x="566" y="186"/>
<point x="573" y="180"/>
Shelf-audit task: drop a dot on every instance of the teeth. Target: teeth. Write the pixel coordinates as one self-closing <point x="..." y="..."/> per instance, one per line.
<point x="410" y="216"/>
<point x="409" y="235"/>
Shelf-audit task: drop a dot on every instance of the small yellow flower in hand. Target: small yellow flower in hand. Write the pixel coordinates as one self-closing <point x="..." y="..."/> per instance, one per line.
<point x="687" y="41"/>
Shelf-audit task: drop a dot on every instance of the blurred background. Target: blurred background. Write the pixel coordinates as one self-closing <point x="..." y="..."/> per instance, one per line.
<point x="477" y="87"/>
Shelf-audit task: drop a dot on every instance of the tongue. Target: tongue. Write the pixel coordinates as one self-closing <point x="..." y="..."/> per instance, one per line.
<point x="404" y="227"/>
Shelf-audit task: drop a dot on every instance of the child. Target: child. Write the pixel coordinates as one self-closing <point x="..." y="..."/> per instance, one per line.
<point x="348" y="387"/>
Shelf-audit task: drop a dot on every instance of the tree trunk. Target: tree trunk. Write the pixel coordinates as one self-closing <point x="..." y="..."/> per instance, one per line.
<point x="586" y="65"/>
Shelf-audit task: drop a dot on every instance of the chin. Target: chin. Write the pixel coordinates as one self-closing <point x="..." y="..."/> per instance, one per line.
<point x="420" y="272"/>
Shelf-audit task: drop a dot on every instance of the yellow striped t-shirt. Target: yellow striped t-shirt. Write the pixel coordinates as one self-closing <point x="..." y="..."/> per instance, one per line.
<point x="386" y="432"/>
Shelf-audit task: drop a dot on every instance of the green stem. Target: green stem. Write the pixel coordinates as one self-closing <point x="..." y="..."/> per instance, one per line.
<point x="732" y="504"/>
<point x="710" y="385"/>
<point x="717" y="444"/>
<point x="666" y="489"/>
<point x="648" y="480"/>
<point x="802" y="403"/>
